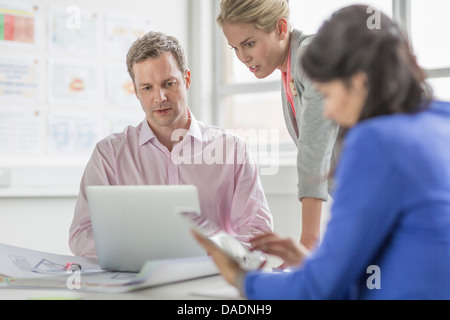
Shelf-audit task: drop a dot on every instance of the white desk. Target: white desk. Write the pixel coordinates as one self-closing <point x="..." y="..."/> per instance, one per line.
<point x="186" y="290"/>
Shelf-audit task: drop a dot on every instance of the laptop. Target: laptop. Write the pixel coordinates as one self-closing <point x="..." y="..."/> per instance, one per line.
<point x="136" y="224"/>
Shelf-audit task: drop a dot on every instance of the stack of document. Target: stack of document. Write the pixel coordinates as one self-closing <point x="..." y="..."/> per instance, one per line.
<point x="24" y="268"/>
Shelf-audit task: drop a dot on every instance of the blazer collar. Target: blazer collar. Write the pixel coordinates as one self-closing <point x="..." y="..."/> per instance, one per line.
<point x="296" y="37"/>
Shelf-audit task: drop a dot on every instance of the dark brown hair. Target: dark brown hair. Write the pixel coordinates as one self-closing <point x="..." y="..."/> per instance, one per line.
<point x="346" y="45"/>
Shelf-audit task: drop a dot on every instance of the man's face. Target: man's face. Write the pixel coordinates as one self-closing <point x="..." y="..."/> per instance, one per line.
<point x="162" y="89"/>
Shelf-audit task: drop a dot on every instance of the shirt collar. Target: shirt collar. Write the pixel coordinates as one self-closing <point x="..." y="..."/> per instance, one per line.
<point x="146" y="133"/>
<point x="194" y="129"/>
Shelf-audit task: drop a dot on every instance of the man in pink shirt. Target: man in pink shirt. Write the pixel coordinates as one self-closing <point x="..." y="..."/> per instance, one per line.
<point x="171" y="147"/>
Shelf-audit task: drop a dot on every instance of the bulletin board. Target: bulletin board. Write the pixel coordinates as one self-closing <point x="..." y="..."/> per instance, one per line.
<point x="63" y="87"/>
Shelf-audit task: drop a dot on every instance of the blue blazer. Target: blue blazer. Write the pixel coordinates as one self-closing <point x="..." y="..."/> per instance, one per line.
<point x="389" y="233"/>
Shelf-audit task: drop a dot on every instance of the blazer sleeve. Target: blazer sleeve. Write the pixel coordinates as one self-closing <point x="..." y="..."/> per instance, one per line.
<point x="361" y="224"/>
<point x="316" y="140"/>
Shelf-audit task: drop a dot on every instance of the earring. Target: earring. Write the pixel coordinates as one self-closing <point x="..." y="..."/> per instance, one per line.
<point x="292" y="85"/>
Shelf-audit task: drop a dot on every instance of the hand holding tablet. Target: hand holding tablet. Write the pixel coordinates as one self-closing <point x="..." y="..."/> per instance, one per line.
<point x="246" y="258"/>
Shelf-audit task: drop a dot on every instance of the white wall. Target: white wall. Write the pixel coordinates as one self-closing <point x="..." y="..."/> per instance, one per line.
<point x="37" y="223"/>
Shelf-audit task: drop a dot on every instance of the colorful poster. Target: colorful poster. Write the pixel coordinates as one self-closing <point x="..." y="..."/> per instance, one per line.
<point x="73" y="132"/>
<point x="18" y="23"/>
<point x="21" y="131"/>
<point x="115" y="122"/>
<point x="20" y="80"/>
<point x="122" y="31"/>
<point x="120" y="89"/>
<point x="74" y="83"/>
<point x="74" y="30"/>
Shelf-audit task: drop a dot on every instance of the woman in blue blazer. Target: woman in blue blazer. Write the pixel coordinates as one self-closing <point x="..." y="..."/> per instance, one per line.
<point x="389" y="233"/>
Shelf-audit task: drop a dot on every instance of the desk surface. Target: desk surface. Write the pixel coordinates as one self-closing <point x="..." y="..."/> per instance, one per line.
<point x="213" y="287"/>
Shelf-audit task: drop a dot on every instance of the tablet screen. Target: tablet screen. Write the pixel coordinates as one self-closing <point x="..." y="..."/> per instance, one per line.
<point x="247" y="259"/>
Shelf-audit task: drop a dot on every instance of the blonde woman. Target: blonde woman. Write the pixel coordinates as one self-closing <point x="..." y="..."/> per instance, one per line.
<point x="261" y="36"/>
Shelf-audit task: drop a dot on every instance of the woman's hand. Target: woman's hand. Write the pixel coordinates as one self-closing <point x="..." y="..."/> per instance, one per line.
<point x="288" y="250"/>
<point x="229" y="268"/>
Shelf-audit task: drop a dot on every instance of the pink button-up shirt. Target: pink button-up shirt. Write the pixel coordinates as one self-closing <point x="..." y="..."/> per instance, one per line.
<point x="215" y="161"/>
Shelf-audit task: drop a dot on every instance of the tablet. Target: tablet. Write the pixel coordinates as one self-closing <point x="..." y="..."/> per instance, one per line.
<point x="246" y="258"/>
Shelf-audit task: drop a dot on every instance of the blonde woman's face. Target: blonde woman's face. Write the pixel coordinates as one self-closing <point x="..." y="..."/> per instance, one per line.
<point x="261" y="52"/>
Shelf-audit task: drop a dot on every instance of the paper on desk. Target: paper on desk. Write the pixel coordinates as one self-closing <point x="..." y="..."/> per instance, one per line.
<point x="21" y="267"/>
<point x="18" y="262"/>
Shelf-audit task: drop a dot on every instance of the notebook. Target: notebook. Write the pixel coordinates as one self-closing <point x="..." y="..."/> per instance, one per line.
<point x="136" y="224"/>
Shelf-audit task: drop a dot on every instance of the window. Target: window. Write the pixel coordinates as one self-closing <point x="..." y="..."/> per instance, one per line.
<point x="308" y="16"/>
<point x="244" y="102"/>
<point x="441" y="88"/>
<point x="429" y="34"/>
<point x="242" y="110"/>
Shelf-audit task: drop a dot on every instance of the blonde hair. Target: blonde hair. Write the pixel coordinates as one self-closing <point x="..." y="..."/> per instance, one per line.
<point x="263" y="14"/>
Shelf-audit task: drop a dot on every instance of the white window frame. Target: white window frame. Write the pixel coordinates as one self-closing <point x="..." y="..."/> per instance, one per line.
<point x="401" y="14"/>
